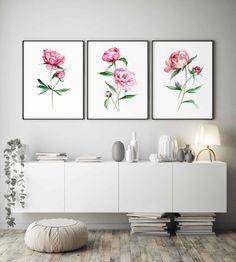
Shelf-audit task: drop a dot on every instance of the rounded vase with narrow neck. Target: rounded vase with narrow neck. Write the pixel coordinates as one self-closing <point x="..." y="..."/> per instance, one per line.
<point x="189" y="157"/>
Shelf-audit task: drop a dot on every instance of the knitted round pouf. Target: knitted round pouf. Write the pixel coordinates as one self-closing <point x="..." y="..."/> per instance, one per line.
<point x="56" y="235"/>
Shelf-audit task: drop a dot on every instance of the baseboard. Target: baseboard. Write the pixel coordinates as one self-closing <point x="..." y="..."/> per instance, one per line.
<point x="91" y="226"/>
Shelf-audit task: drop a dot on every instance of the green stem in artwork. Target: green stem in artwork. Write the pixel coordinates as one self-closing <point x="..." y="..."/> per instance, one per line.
<point x="183" y="91"/>
<point x="114" y="104"/>
<point x="52" y="99"/>
<point x="56" y="83"/>
<point x="118" y="100"/>
<point x="51" y="88"/>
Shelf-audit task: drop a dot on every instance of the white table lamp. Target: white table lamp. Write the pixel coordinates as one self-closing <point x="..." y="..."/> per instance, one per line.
<point x="208" y="135"/>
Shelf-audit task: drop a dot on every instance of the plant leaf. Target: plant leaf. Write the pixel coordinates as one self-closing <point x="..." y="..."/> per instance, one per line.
<point x="106" y="73"/>
<point x="178" y="85"/>
<point x="41" y="82"/>
<point x="173" y="88"/>
<point x="62" y="90"/>
<point x="124" y="61"/>
<point x="127" y="97"/>
<point x="56" y="92"/>
<point x="111" y="87"/>
<point x="54" y="75"/>
<point x="60" y="67"/>
<point x="175" y="73"/>
<point x="191" y="59"/>
<point x="193" y="90"/>
<point x="106" y="103"/>
<point x="44" y="91"/>
<point x="190" y="71"/>
<point x="43" y="87"/>
<point x="191" y="101"/>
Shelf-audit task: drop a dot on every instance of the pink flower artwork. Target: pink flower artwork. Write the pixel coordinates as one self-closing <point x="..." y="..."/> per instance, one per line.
<point x="123" y="80"/>
<point x="177" y="59"/>
<point x="53" y="61"/>
<point x="111" y="55"/>
<point x="197" y="69"/>
<point x="60" y="74"/>
<point x="179" y="62"/>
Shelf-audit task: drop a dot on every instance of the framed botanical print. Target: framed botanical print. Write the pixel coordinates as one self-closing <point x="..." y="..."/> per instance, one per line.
<point x="182" y="79"/>
<point x="117" y="79"/>
<point x="53" y="79"/>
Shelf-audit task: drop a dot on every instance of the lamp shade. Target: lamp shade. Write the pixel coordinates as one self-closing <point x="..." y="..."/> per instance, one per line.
<point x="208" y="135"/>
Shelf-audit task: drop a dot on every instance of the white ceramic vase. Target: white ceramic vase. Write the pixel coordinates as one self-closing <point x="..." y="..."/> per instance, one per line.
<point x="167" y="148"/>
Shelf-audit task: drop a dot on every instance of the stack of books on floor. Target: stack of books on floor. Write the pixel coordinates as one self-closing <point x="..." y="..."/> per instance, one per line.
<point x="148" y="223"/>
<point x="195" y="224"/>
<point x="88" y="159"/>
<point x="51" y="156"/>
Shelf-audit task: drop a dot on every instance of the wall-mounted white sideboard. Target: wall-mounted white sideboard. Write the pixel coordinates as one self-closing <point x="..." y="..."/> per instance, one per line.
<point x="110" y="187"/>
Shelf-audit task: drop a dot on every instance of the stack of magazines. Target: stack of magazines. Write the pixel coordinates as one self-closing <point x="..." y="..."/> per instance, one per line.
<point x="88" y="159"/>
<point x="45" y="156"/>
<point x="148" y="223"/>
<point x="195" y="224"/>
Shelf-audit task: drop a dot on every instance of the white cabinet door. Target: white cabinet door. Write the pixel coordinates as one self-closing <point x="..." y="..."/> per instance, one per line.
<point x="91" y="187"/>
<point x="199" y="187"/>
<point x="44" y="183"/>
<point x="145" y="187"/>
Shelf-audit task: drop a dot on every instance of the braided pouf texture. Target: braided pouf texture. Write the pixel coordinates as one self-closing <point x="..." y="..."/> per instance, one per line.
<point x="56" y="235"/>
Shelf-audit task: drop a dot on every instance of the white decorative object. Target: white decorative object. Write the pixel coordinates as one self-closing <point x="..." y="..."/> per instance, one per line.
<point x="155" y="159"/>
<point x="129" y="154"/>
<point x="135" y="147"/>
<point x="167" y="148"/>
<point x="56" y="235"/>
<point x="111" y="187"/>
<point x="208" y="135"/>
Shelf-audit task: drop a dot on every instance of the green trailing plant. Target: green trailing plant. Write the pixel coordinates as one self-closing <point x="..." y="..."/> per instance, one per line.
<point x="14" y="156"/>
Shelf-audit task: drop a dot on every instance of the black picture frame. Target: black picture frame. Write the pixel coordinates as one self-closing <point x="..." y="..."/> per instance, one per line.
<point x="148" y="81"/>
<point x="83" y="90"/>
<point x="213" y="92"/>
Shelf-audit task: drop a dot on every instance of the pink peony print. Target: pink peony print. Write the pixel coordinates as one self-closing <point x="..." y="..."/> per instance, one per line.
<point x="52" y="59"/>
<point x="179" y="65"/>
<point x="60" y="74"/>
<point x="111" y="55"/>
<point x="124" y="78"/>
<point x="177" y="59"/>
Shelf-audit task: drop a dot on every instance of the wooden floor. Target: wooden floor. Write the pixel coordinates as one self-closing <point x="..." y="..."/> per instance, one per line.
<point x="120" y="246"/>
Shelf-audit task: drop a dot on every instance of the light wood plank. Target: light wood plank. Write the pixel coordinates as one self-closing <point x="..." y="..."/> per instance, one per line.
<point x="116" y="246"/>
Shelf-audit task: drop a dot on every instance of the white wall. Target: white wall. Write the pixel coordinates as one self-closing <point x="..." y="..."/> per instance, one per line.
<point x="103" y="19"/>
